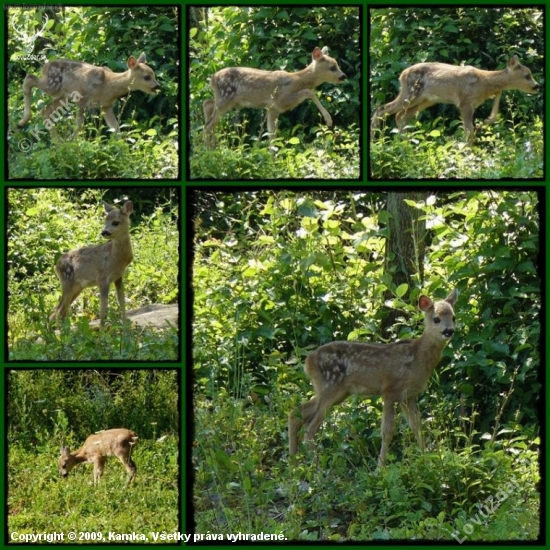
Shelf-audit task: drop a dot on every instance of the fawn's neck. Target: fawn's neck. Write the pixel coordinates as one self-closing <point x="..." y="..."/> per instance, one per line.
<point x="428" y="350"/>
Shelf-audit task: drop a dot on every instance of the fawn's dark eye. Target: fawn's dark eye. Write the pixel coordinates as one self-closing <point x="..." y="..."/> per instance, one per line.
<point x="437" y="320"/>
<point x="147" y="78"/>
<point x="115" y="223"/>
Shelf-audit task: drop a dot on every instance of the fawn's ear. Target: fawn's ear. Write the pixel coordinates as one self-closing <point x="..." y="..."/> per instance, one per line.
<point x="107" y="207"/>
<point x="317" y="54"/>
<point x="424" y="303"/>
<point x="451" y="298"/>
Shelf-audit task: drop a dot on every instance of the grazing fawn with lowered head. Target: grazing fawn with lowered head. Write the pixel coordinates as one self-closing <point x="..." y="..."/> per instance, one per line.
<point x="397" y="372"/>
<point x="425" y="84"/>
<point x="76" y="82"/>
<point x="98" y="265"/>
<point x="117" y="442"/>
<point x="275" y="91"/>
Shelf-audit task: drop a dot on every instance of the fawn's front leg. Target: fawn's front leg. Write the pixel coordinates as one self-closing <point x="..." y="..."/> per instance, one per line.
<point x="272" y="119"/>
<point x="99" y="461"/>
<point x="104" y="300"/>
<point x="411" y="412"/>
<point x="388" y="424"/>
<point x="119" y="285"/>
<point x="494" y="111"/>
<point x="110" y="118"/>
<point x="302" y="95"/>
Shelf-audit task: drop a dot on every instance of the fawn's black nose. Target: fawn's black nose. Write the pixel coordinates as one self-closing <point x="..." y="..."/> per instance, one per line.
<point x="448" y="332"/>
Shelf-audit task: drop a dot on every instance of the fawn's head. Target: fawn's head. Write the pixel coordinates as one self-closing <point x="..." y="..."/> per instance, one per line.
<point x="520" y="77"/>
<point x="143" y="77"/>
<point x="439" y="318"/>
<point x="117" y="221"/>
<point x="327" y="66"/>
<point x="65" y="463"/>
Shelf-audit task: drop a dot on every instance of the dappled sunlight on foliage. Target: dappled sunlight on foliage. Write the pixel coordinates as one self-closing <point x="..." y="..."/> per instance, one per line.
<point x="417" y="155"/>
<point x="321" y="159"/>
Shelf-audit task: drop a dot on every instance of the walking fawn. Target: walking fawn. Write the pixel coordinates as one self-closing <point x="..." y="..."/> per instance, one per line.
<point x="398" y="372"/>
<point x="98" y="265"/>
<point x="275" y="91"/>
<point x="117" y="442"/>
<point x="426" y="84"/>
<point x="85" y="84"/>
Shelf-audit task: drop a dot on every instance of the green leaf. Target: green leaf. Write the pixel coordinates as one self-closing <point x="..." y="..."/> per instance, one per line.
<point x="401" y="290"/>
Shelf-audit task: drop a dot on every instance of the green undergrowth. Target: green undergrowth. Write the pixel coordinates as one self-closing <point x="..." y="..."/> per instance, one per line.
<point x="331" y="155"/>
<point x="74" y="505"/>
<point x="425" y="154"/>
<point x="245" y="481"/>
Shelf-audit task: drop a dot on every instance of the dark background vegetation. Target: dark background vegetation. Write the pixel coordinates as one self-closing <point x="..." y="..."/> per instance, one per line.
<point x="278" y="273"/>
<point x="70" y="404"/>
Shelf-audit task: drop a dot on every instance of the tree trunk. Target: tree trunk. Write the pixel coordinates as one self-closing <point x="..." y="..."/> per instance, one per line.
<point x="404" y="248"/>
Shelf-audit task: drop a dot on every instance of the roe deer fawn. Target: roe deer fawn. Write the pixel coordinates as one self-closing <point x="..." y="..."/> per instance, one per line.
<point x="425" y="84"/>
<point x="98" y="265"/>
<point x="398" y="372"/>
<point x="73" y="81"/>
<point x="117" y="442"/>
<point x="276" y="91"/>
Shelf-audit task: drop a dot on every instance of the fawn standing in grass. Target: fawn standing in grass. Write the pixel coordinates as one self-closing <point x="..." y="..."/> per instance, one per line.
<point x="425" y="84"/>
<point x="118" y="442"/>
<point x="98" y="265"/>
<point x="276" y="91"/>
<point x="71" y="82"/>
<point x="398" y="372"/>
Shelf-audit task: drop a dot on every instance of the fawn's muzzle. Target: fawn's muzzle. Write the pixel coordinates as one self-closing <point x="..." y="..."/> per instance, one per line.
<point x="448" y="332"/>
